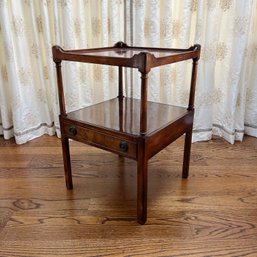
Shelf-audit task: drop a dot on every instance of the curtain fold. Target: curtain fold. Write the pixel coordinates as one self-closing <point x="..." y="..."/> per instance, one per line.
<point x="226" y="95"/>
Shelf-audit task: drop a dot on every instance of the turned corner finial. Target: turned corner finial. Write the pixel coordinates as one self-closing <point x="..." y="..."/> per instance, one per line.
<point x="55" y="51"/>
<point x="56" y="48"/>
<point x="197" y="46"/>
<point x="120" y="44"/>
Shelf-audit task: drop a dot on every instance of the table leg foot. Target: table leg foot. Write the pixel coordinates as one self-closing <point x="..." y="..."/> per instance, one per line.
<point x="67" y="163"/>
<point x="187" y="150"/>
<point x="142" y="190"/>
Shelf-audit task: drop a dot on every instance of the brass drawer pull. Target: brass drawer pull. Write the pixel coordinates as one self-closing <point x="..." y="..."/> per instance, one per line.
<point x="73" y="131"/>
<point x="124" y="146"/>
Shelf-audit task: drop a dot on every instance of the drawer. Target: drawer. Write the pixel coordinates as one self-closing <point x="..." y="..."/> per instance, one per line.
<point x="99" y="139"/>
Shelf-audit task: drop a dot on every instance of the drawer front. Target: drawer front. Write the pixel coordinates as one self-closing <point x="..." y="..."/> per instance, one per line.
<point x="101" y="140"/>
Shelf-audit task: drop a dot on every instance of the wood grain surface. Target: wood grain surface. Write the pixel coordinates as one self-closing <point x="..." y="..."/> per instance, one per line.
<point x="212" y="213"/>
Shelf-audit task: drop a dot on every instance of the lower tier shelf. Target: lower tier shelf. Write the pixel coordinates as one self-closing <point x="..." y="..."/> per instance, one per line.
<point x="124" y="115"/>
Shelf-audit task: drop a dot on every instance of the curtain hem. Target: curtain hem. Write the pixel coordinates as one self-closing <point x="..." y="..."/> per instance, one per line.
<point x="25" y="136"/>
<point x="251" y="131"/>
<point x="206" y="135"/>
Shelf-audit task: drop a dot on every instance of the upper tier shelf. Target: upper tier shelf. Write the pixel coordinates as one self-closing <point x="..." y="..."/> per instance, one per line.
<point x="143" y="58"/>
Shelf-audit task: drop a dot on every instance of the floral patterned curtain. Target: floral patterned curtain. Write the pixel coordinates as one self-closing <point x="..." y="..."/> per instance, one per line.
<point x="226" y="96"/>
<point x="28" y="30"/>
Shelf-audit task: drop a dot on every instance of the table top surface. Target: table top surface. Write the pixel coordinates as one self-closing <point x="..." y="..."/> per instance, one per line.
<point x="143" y="58"/>
<point x="128" y="52"/>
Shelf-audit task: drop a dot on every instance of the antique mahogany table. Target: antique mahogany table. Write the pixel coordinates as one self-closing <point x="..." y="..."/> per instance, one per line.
<point x="143" y="128"/>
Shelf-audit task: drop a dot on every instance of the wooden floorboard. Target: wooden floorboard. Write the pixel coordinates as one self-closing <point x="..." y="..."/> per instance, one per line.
<point x="212" y="213"/>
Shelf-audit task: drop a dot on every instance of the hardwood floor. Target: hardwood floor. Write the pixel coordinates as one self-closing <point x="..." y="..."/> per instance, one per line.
<point x="212" y="213"/>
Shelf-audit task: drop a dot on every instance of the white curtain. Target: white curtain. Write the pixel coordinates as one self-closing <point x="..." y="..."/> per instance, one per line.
<point x="226" y="96"/>
<point x="28" y="30"/>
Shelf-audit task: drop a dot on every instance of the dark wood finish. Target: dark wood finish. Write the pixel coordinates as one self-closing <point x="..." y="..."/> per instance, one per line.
<point x="168" y="134"/>
<point x="187" y="149"/>
<point x="127" y="56"/>
<point x="120" y="92"/>
<point x="143" y="106"/>
<point x="66" y="161"/>
<point x="60" y="88"/>
<point x="212" y="214"/>
<point x="136" y="129"/>
<point x="142" y="182"/>
<point x="193" y="84"/>
<point x="101" y="139"/>
<point x="106" y="115"/>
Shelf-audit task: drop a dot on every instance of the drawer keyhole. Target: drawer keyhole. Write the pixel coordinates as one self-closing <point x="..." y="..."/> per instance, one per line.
<point x="73" y="131"/>
<point x="124" y="146"/>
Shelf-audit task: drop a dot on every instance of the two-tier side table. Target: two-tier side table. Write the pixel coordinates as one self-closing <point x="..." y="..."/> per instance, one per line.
<point x="134" y="131"/>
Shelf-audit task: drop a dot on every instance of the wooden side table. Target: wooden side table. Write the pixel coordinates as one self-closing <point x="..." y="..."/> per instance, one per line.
<point x="136" y="134"/>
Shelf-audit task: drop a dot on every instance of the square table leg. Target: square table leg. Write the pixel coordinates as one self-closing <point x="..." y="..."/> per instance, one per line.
<point x="187" y="150"/>
<point x="66" y="162"/>
<point x="142" y="167"/>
